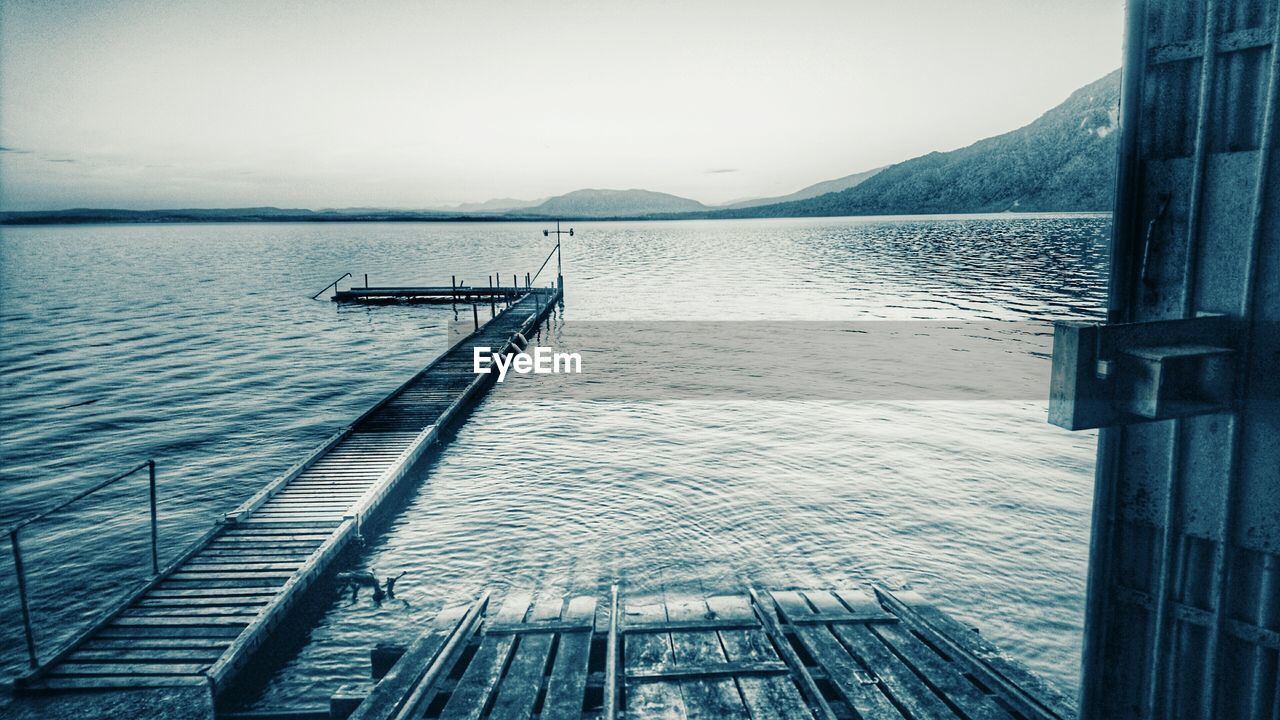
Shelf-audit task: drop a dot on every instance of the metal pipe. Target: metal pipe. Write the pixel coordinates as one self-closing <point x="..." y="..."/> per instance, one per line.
<point x="459" y="637"/>
<point x="544" y="262"/>
<point x="20" y="568"/>
<point x="811" y="692"/>
<point x="333" y="285"/>
<point x="611" y="659"/>
<point x="155" y="533"/>
<point x="78" y="496"/>
<point x="21" y="572"/>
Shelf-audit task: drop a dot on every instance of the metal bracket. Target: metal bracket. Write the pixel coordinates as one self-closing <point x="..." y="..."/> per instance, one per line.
<point x="1125" y="373"/>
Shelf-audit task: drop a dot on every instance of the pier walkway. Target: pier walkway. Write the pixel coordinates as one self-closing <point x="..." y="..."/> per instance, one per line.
<point x="824" y="654"/>
<point x="201" y="619"/>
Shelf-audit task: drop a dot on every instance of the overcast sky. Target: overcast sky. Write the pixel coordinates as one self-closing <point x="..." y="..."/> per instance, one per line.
<point x="416" y="104"/>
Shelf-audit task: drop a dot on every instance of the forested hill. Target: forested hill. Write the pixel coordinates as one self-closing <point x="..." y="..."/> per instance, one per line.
<point x="1063" y="161"/>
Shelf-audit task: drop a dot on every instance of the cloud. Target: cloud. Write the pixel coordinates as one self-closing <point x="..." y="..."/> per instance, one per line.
<point x="719" y="171"/>
<point x="15" y="151"/>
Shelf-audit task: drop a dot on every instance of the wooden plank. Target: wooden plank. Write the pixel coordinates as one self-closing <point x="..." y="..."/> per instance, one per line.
<point x="240" y="567"/>
<point x="1015" y="683"/>
<point x="122" y="683"/>
<point x="70" y="669"/>
<point x="411" y="677"/>
<point x="941" y="675"/>
<point x="126" y="644"/>
<point x="325" y="500"/>
<point x="520" y="686"/>
<point x="264" y="534"/>
<point x="765" y="697"/>
<point x="117" y="631"/>
<point x="730" y="670"/>
<point x="896" y="679"/>
<point x="193" y="611"/>
<point x="282" y="535"/>
<point x="566" y="687"/>
<point x="288" y="516"/>
<point x="256" y="632"/>
<point x="251" y="544"/>
<point x="145" y="655"/>
<point x="219" y="557"/>
<point x="248" y="527"/>
<point x="700" y="649"/>
<point x="472" y="692"/>
<point x="288" y="539"/>
<point x="247" y="601"/>
<point x="300" y="506"/>
<point x="537" y="628"/>
<point x="185" y="592"/>
<point x="315" y="500"/>
<point x="692" y="624"/>
<point x="197" y="621"/>
<point x="650" y="651"/>
<point x="229" y="579"/>
<point x="860" y="690"/>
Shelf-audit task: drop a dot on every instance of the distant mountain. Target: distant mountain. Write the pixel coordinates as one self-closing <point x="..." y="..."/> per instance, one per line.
<point x="822" y="188"/>
<point x="613" y="203"/>
<point x="1063" y="161"/>
<point x="209" y="215"/>
<point x="495" y="205"/>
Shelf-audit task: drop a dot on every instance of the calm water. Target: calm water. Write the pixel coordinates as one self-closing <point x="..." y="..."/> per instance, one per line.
<point x="199" y="346"/>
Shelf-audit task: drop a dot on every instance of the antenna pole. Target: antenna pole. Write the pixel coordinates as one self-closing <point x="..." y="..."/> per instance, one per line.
<point x="559" y="265"/>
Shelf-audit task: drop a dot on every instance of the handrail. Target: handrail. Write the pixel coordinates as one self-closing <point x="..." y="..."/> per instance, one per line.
<point x="554" y="250"/>
<point x="333" y="285"/>
<point x="20" y="568"/>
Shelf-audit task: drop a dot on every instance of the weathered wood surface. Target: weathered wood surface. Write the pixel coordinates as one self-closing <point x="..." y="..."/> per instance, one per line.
<point x="462" y="295"/>
<point x="202" y="618"/>
<point x="716" y="657"/>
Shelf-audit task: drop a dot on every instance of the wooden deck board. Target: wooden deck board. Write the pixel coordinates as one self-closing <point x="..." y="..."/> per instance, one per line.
<point x="703" y="698"/>
<point x="566" y="686"/>
<point x="858" y="687"/>
<point x="896" y="679"/>
<point x="765" y="697"/>
<point x="233" y="590"/>
<point x="520" y="686"/>
<point x="650" y="651"/>
<point x="471" y="696"/>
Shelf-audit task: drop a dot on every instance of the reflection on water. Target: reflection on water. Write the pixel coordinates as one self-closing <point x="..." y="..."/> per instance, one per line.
<point x="198" y="345"/>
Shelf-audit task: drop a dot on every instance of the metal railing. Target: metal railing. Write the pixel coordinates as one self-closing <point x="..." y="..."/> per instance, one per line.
<point x="334" y="285"/>
<point x="20" y="569"/>
<point x="554" y="251"/>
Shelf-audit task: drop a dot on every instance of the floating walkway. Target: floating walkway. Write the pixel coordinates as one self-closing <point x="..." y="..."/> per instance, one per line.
<point x="454" y="295"/>
<point x="868" y="654"/>
<point x="201" y="619"/>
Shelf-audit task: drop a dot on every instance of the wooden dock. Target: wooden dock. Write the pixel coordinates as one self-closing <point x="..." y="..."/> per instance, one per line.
<point x="856" y="653"/>
<point x="454" y="295"/>
<point x="202" y="618"/>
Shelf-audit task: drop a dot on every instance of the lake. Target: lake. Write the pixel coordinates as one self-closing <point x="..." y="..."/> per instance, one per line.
<point x="803" y="403"/>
